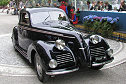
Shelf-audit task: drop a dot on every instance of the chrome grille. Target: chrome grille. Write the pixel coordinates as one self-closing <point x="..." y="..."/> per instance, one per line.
<point x="63" y="59"/>
<point x="96" y="52"/>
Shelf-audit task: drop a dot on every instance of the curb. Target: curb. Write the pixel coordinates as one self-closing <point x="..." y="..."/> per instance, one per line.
<point x="16" y="71"/>
<point x="121" y="46"/>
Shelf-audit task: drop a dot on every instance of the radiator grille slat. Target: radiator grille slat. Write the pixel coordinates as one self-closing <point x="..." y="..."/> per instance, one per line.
<point x="97" y="52"/>
<point x="63" y="59"/>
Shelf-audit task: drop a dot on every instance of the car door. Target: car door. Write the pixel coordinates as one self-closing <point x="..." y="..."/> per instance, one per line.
<point x="24" y="24"/>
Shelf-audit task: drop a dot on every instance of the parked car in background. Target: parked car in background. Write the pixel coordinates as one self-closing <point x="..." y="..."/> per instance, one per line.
<point x="46" y="38"/>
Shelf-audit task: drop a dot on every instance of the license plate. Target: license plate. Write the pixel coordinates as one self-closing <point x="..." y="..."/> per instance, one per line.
<point x="99" y="58"/>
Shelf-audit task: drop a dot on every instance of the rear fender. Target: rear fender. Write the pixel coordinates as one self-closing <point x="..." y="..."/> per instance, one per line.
<point x="15" y="33"/>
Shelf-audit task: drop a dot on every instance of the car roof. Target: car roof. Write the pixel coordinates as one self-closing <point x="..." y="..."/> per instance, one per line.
<point x="33" y="10"/>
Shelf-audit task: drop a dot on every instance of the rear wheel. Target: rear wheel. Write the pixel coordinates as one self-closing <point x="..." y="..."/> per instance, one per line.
<point x="42" y="76"/>
<point x="14" y="42"/>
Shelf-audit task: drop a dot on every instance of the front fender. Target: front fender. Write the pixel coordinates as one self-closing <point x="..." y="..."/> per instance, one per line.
<point x="43" y="49"/>
<point x="103" y="42"/>
<point x="89" y="46"/>
<point x="46" y="51"/>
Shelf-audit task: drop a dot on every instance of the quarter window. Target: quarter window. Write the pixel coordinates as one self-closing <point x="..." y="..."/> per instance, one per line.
<point x="24" y="19"/>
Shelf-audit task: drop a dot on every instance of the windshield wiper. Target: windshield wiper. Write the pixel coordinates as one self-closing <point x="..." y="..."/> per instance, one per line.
<point x="46" y="19"/>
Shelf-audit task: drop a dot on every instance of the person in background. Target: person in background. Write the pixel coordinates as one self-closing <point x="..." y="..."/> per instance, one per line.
<point x="28" y="3"/>
<point x="74" y="19"/>
<point x="72" y="7"/>
<point x="101" y="6"/>
<point x="21" y="5"/>
<point x="55" y="5"/>
<point x="38" y="5"/>
<point x="49" y="2"/>
<point x="63" y="7"/>
<point x="89" y="5"/>
<point x="108" y="6"/>
<point x="68" y="6"/>
<point x="82" y="8"/>
<point x="15" y="9"/>
<point x="10" y="3"/>
<point x="78" y="14"/>
<point x="93" y="7"/>
<point x="98" y="5"/>
<point x="122" y="6"/>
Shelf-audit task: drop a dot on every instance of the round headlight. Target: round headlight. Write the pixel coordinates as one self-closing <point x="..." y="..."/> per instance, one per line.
<point x="53" y="63"/>
<point x="110" y="52"/>
<point x="60" y="44"/>
<point x="94" y="39"/>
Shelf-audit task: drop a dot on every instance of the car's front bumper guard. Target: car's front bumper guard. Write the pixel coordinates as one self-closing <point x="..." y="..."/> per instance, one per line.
<point x="61" y="72"/>
<point x="106" y="62"/>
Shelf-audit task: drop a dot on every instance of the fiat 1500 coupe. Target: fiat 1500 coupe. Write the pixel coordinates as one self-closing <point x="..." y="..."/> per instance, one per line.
<point x="45" y="37"/>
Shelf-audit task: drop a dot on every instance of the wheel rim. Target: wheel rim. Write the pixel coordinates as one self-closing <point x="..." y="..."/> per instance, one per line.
<point x="38" y="66"/>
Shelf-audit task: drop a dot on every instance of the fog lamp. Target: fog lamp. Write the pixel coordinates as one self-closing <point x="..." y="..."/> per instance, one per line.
<point x="53" y="63"/>
<point x="110" y="52"/>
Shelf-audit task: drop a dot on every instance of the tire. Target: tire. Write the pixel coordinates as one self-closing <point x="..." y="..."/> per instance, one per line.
<point x="96" y="67"/>
<point x="14" y="42"/>
<point x="42" y="76"/>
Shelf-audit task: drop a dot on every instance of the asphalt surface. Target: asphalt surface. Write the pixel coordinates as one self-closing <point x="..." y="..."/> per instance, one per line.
<point x="9" y="58"/>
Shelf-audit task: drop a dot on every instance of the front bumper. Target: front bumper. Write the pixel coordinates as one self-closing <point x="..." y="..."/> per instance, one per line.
<point x="106" y="62"/>
<point x="61" y="71"/>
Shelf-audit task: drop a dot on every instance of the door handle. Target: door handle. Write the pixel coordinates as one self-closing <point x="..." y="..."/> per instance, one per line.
<point x="24" y="33"/>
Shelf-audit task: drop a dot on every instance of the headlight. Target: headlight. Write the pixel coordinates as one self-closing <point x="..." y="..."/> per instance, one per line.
<point x="52" y="63"/>
<point x="60" y="44"/>
<point x="110" y="52"/>
<point x="95" y="39"/>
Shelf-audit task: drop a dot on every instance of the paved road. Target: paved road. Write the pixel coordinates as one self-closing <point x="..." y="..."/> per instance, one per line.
<point x="114" y="75"/>
<point x="7" y="22"/>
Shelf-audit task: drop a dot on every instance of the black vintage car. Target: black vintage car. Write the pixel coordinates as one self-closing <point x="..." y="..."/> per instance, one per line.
<point x="46" y="38"/>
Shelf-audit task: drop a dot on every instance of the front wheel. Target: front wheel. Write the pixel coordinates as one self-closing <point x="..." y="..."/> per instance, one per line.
<point x="42" y="76"/>
<point x="96" y="67"/>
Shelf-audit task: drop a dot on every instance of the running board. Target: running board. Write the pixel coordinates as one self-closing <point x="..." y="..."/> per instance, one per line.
<point x="21" y="51"/>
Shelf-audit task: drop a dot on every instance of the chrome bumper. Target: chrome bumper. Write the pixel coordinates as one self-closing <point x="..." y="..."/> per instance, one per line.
<point x="61" y="72"/>
<point x="106" y="62"/>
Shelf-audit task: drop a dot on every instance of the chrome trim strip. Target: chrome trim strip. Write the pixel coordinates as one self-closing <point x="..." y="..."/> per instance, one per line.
<point x="46" y="32"/>
<point x="81" y="48"/>
<point x="61" y="72"/>
<point x="98" y="64"/>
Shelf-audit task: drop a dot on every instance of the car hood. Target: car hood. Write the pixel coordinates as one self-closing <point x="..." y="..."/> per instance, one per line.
<point x="60" y="29"/>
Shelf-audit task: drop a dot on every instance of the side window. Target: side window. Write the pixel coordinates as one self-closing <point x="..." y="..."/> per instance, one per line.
<point x="24" y="20"/>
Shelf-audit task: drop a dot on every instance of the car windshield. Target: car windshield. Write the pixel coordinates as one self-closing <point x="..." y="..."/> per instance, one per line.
<point x="47" y="16"/>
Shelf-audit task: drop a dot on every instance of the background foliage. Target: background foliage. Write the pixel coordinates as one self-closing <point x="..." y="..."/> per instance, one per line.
<point x="4" y="2"/>
<point x="100" y="25"/>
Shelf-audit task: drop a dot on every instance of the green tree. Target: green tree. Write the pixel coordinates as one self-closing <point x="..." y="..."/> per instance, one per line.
<point x="4" y="2"/>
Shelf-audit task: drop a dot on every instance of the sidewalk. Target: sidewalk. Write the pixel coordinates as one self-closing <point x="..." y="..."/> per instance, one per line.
<point x="3" y="11"/>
